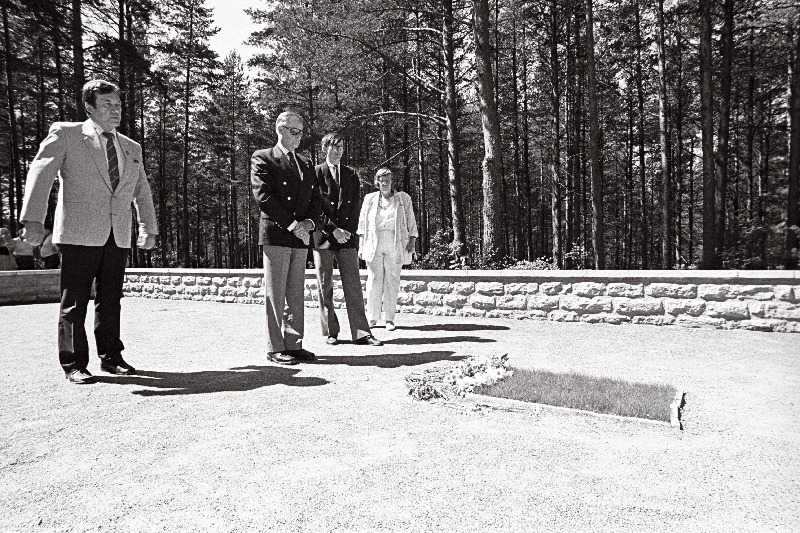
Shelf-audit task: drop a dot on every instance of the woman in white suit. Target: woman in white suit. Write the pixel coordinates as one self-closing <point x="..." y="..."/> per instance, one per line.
<point x="387" y="237"/>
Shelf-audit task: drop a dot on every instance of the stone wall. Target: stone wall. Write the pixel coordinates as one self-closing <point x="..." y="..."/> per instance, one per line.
<point x="753" y="300"/>
<point x="29" y="286"/>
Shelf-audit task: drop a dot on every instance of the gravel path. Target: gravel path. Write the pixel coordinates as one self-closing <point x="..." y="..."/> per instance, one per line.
<point x="213" y="437"/>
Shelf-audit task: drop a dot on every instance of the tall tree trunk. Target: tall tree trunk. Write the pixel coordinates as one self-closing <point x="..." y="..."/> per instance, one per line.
<point x="15" y="184"/>
<point x="185" y="242"/>
<point x="598" y="230"/>
<point x="667" y="254"/>
<point x="451" y="111"/>
<point x="519" y="191"/>
<point x="710" y="259"/>
<point x="793" y="209"/>
<point x="555" y="162"/>
<point x="642" y="176"/>
<point x="493" y="241"/>
<point x="78" y="76"/>
<point x="723" y="139"/>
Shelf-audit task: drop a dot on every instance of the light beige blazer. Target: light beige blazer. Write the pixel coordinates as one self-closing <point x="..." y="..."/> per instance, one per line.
<point x="405" y="227"/>
<point x="87" y="208"/>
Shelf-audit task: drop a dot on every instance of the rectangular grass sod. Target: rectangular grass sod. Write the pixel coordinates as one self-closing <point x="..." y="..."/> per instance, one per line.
<point x="579" y="391"/>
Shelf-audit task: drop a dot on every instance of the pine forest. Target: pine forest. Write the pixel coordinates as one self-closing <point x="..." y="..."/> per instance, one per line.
<point x="569" y="134"/>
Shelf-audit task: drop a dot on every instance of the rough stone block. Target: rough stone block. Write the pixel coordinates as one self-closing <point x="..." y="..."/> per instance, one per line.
<point x="413" y="286"/>
<point x="533" y="314"/>
<point x="234" y="281"/>
<point x="480" y="301"/>
<point x="134" y="287"/>
<point x="192" y="290"/>
<point x="252" y="282"/>
<point x="521" y="288"/>
<point x="148" y="288"/>
<point x="694" y="307"/>
<point x="471" y="312"/>
<point x="456" y="301"/>
<point x="755" y="292"/>
<point x="717" y="293"/>
<point x="728" y="310"/>
<point x="638" y="307"/>
<point x="501" y="313"/>
<point x="786" y="293"/>
<point x="203" y="280"/>
<point x="776" y="310"/>
<point x="164" y="280"/>
<point x="517" y="302"/>
<point x="218" y="281"/>
<point x="563" y="316"/>
<point x="628" y="290"/>
<point x="586" y="288"/>
<point x="441" y="287"/>
<point x="464" y="287"/>
<point x="490" y="288"/>
<point x="756" y="324"/>
<point x="699" y="322"/>
<point x="132" y="278"/>
<point x="175" y="280"/>
<point x="653" y="320"/>
<point x="544" y="303"/>
<point x="580" y="304"/>
<point x="441" y="311"/>
<point x="428" y="299"/>
<point x="338" y="295"/>
<point x="188" y="280"/>
<point x="551" y="288"/>
<point x="605" y="318"/>
<point x="788" y="327"/>
<point x="671" y="290"/>
<point x="405" y="298"/>
<point x="241" y="292"/>
<point x="412" y="309"/>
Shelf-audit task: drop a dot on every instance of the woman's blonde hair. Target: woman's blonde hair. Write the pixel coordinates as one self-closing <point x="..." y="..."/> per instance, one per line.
<point x="382" y="172"/>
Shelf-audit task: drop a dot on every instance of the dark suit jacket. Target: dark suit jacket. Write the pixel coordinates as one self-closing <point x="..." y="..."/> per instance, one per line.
<point x="339" y="211"/>
<point x="283" y="196"/>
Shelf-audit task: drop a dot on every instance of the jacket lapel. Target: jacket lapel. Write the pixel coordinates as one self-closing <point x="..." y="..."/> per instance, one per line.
<point x="92" y="141"/>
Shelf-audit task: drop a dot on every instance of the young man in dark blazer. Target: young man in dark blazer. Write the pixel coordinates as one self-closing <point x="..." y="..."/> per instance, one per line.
<point x="285" y="188"/>
<point x="337" y="238"/>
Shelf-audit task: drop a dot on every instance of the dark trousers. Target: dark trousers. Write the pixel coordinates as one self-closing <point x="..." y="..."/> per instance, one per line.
<point x="347" y="261"/>
<point x="80" y="266"/>
<point x="51" y="261"/>
<point x="25" y="262"/>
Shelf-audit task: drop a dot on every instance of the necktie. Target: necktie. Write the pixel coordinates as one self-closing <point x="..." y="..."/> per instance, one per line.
<point x="293" y="161"/>
<point x="335" y="184"/>
<point x="113" y="164"/>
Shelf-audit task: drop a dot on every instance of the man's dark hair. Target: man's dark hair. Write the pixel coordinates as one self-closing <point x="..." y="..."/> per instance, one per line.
<point x="331" y="138"/>
<point x="94" y="87"/>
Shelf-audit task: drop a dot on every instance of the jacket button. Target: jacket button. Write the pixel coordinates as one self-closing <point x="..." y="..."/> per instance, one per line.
<point x="288" y="197"/>
<point x="284" y="183"/>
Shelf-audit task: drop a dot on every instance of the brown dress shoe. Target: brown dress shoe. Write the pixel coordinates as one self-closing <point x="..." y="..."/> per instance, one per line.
<point x="369" y="340"/>
<point x="80" y="376"/>
<point x="282" y="358"/>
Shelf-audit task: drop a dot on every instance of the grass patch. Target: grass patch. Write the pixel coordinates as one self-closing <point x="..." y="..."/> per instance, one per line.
<point x="579" y="391"/>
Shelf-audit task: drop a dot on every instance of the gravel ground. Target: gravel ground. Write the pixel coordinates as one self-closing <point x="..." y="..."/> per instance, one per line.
<point x="212" y="437"/>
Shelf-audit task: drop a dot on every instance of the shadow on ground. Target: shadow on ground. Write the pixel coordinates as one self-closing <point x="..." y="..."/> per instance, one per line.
<point x="389" y="360"/>
<point x="456" y="327"/>
<point x="238" y="379"/>
<point x="438" y="340"/>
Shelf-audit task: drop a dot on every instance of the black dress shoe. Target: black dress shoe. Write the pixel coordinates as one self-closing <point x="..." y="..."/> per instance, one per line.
<point x="118" y="366"/>
<point x="282" y="358"/>
<point x="333" y="341"/>
<point x="80" y="376"/>
<point x="301" y="354"/>
<point x="369" y="340"/>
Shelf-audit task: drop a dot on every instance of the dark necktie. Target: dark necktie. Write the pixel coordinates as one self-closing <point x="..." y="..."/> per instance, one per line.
<point x="113" y="164"/>
<point x="335" y="184"/>
<point x="293" y="161"/>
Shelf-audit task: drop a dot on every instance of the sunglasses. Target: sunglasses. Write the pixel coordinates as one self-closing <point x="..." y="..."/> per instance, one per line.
<point x="293" y="131"/>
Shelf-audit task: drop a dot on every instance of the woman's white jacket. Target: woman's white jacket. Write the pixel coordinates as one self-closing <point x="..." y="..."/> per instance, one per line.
<point x="406" y="227"/>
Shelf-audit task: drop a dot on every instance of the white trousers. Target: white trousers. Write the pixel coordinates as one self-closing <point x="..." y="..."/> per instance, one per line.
<point x="383" y="279"/>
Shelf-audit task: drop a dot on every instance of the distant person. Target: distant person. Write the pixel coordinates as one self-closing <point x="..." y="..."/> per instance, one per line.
<point x="102" y="174"/>
<point x="337" y="239"/>
<point x="285" y="188"/>
<point x="6" y="259"/>
<point x="23" y="252"/>
<point x="388" y="235"/>
<point x="49" y="251"/>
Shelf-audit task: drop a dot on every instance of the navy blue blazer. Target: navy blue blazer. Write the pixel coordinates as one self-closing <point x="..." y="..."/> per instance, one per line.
<point x="283" y="196"/>
<point x="340" y="205"/>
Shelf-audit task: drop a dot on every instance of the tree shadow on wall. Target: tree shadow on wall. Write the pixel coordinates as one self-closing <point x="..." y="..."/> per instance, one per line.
<point x="238" y="379"/>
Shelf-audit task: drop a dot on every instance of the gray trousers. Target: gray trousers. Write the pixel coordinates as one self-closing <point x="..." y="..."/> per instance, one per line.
<point x="347" y="260"/>
<point x="284" y="291"/>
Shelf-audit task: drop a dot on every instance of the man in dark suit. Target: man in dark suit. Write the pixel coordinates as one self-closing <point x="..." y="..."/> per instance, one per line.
<point x="337" y="238"/>
<point x="286" y="191"/>
<point x="102" y="174"/>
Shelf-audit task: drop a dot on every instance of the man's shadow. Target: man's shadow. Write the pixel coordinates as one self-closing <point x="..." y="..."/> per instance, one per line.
<point x="391" y="360"/>
<point x="437" y="340"/>
<point x="456" y="327"/>
<point x="238" y="379"/>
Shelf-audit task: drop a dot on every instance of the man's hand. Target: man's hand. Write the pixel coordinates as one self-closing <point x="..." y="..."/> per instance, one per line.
<point x="145" y="241"/>
<point x="412" y="244"/>
<point x="33" y="233"/>
<point x="341" y="235"/>
<point x="301" y="232"/>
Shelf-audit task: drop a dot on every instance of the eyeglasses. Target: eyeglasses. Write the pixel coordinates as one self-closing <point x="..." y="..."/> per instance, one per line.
<point x="293" y="131"/>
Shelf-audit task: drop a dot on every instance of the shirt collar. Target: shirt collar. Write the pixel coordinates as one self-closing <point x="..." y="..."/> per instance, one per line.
<point x="99" y="129"/>
<point x="283" y="149"/>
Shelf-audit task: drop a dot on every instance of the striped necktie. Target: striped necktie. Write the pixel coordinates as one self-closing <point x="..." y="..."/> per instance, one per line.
<point x="113" y="164"/>
<point x="293" y="161"/>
